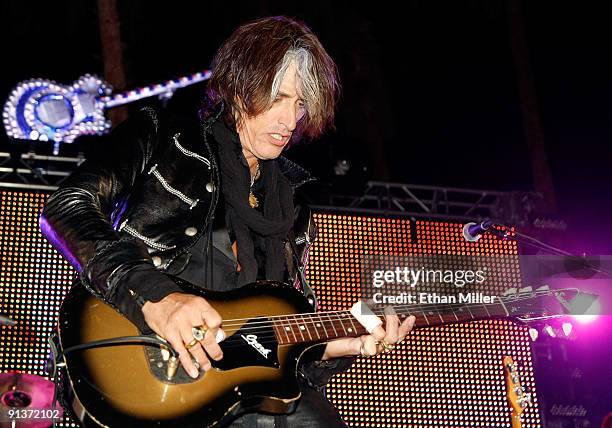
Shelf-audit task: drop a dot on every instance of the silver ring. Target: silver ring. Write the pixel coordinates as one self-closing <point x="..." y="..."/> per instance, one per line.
<point x="199" y="332"/>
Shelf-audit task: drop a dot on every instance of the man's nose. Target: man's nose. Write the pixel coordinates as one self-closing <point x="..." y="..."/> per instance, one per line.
<point x="288" y="118"/>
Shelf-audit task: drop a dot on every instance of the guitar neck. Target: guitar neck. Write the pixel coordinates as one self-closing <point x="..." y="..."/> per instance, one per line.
<point x="150" y="91"/>
<point x="324" y="326"/>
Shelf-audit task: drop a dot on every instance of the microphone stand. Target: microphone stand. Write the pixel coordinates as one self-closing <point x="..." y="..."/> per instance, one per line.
<point x="536" y="243"/>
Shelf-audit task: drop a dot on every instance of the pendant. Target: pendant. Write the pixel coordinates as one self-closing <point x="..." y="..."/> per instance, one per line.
<point x="253" y="202"/>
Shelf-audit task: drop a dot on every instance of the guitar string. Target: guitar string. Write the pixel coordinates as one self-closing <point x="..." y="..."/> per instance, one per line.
<point x="272" y="337"/>
<point x="304" y="328"/>
<point x="343" y="317"/>
<point x="289" y="316"/>
<point x="313" y="317"/>
<point x="295" y="325"/>
<point x="503" y="300"/>
<point x="334" y="316"/>
<point x="419" y="308"/>
<point x="331" y="333"/>
<point x="323" y="328"/>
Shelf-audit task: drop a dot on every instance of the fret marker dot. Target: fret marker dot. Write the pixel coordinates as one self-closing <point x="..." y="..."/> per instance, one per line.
<point x="318" y="324"/>
<point x="287" y="328"/>
<point x="302" y="327"/>
<point x="350" y="330"/>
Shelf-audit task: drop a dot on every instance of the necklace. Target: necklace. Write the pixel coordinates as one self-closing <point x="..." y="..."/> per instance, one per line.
<point x="253" y="202"/>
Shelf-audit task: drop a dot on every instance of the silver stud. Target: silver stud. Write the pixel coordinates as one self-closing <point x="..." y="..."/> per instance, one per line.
<point x="191" y="231"/>
<point x="157" y="261"/>
<point x="210" y="187"/>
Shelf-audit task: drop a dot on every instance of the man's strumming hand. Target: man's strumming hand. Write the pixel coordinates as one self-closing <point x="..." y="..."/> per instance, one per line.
<point x="173" y="318"/>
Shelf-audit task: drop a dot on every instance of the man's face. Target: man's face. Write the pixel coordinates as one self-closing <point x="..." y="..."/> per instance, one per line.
<point x="264" y="136"/>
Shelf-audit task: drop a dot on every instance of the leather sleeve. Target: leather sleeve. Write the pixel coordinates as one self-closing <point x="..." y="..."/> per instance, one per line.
<point x="316" y="372"/>
<point x="77" y="218"/>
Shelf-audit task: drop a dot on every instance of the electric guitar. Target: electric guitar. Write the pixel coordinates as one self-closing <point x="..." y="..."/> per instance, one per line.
<point x="269" y="327"/>
<point x="517" y="397"/>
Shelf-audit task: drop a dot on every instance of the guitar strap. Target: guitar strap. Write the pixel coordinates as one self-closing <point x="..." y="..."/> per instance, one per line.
<point x="306" y="289"/>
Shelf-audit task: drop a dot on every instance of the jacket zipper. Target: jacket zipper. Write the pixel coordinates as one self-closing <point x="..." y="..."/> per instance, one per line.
<point x="192" y="203"/>
<point x="189" y="152"/>
<point x="151" y="243"/>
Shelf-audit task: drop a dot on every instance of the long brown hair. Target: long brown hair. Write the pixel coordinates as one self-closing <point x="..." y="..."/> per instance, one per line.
<point x="247" y="66"/>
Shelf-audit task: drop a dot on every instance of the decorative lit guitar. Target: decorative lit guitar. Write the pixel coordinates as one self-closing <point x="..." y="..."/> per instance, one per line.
<point x="517" y="397"/>
<point x="269" y="326"/>
<point x="40" y="109"/>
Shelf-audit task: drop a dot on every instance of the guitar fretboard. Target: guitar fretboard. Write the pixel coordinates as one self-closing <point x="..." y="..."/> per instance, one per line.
<point x="324" y="326"/>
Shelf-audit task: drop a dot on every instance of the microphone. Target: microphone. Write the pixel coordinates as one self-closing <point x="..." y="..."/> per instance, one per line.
<point x="473" y="231"/>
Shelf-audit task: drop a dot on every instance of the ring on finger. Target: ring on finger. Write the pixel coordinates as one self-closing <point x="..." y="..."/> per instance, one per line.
<point x="362" y="352"/>
<point x="191" y="344"/>
<point x="388" y="347"/>
<point x="199" y="332"/>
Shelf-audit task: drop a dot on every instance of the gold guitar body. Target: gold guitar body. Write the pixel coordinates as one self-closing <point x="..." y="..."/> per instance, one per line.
<point x="126" y="385"/>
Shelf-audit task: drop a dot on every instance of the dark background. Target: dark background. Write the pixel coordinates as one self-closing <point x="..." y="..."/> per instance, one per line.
<point x="430" y="92"/>
<point x="431" y="83"/>
<point x="429" y="87"/>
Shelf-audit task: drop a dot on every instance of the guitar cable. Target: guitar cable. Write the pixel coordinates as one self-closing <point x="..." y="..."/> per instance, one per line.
<point x="146" y="340"/>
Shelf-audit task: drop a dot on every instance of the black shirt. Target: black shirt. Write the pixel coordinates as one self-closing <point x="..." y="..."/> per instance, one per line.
<point x="219" y="271"/>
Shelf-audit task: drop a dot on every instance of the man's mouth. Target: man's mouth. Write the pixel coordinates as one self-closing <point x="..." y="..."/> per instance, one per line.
<point x="280" y="138"/>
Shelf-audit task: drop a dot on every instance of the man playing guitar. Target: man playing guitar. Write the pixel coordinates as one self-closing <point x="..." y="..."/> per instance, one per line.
<point x="210" y="200"/>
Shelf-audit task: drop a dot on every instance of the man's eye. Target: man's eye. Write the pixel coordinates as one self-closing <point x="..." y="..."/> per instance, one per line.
<point x="301" y="111"/>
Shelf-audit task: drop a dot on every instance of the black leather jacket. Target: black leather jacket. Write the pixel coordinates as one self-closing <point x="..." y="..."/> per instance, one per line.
<point x="137" y="208"/>
<point x="131" y="213"/>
